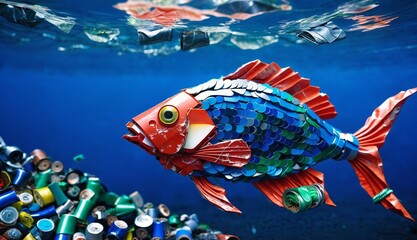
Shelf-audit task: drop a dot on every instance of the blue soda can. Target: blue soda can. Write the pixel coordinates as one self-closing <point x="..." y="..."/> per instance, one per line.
<point x="118" y="229"/>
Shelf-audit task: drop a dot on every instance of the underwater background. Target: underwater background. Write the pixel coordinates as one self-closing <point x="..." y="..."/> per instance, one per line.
<point x="68" y="94"/>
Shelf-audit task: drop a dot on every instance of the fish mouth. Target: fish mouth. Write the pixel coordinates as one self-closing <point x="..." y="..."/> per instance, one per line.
<point x="138" y="137"/>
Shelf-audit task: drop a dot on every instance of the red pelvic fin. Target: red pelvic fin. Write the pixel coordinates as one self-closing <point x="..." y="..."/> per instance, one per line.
<point x="287" y="80"/>
<point x="274" y="188"/>
<point x="214" y="194"/>
<point x="368" y="163"/>
<point x="232" y="153"/>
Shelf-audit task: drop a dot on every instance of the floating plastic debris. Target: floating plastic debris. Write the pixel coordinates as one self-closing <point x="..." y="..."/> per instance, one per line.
<point x="154" y="34"/>
<point x="101" y="33"/>
<point x="169" y="14"/>
<point x="42" y="200"/>
<point x="254" y="7"/>
<point x="23" y="16"/>
<point x="164" y="15"/>
<point x="194" y="39"/>
<point x="357" y="6"/>
<point x="163" y="25"/>
<point x="246" y="42"/>
<point x="325" y="33"/>
<point x="30" y="15"/>
<point x="320" y="32"/>
<point x="369" y="23"/>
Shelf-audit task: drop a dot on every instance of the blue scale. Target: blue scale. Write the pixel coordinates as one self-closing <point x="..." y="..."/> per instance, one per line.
<point x="232" y="99"/>
<point x="268" y="141"/>
<point x="236" y="120"/>
<point x="209" y="168"/>
<point x="288" y="142"/>
<point x="258" y="100"/>
<point x="236" y="174"/>
<point x="205" y="105"/>
<point x="240" y="129"/>
<point x="277" y="172"/>
<point x="284" y="125"/>
<point x="248" y="138"/>
<point x="271" y="170"/>
<point x="250" y="106"/>
<point x="262" y="108"/>
<point x="228" y="135"/>
<point x="268" y="134"/>
<point x="235" y="135"/>
<point x="255" y="145"/>
<point x="276" y="92"/>
<point x="254" y="159"/>
<point x="220" y="135"/>
<point x="263" y="147"/>
<point x="252" y="114"/>
<point x="218" y="167"/>
<point x="219" y="99"/>
<point x="216" y="113"/>
<point x="297" y="151"/>
<point x="243" y="121"/>
<point x="248" y="172"/>
<point x="265" y="126"/>
<point x="230" y="106"/>
<point x="274" y="99"/>
<point x="224" y="119"/>
<point x="267" y="111"/>
<point x="211" y="100"/>
<point x="229" y="170"/>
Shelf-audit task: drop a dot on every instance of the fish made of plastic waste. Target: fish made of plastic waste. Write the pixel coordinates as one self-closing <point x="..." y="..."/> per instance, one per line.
<point x="265" y="125"/>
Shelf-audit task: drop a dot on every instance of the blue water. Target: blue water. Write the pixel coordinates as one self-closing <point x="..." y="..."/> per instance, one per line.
<point x="78" y="101"/>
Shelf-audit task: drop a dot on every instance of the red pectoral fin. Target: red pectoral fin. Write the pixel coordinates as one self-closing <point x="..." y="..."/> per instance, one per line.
<point x="214" y="194"/>
<point x="232" y="153"/>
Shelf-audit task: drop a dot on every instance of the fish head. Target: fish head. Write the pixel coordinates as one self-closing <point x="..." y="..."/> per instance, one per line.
<point x="162" y="129"/>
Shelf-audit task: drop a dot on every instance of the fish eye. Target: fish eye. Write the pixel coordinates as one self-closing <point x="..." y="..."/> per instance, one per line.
<point x="168" y="115"/>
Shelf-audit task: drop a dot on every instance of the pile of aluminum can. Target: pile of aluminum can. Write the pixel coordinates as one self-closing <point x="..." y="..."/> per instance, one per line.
<point x="39" y="199"/>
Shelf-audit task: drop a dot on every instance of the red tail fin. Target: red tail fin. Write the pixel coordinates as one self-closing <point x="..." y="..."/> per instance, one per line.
<point x="368" y="163"/>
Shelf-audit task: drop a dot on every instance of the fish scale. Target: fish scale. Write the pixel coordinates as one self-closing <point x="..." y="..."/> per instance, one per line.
<point x="274" y="130"/>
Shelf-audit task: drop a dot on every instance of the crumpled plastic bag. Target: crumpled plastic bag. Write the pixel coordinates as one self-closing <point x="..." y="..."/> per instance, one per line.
<point x="324" y="33"/>
<point x="30" y="15"/>
<point x="23" y="16"/>
<point x="101" y="33"/>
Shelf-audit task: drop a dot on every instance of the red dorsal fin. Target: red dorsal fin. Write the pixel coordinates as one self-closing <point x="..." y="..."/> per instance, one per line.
<point x="287" y="80"/>
<point x="274" y="188"/>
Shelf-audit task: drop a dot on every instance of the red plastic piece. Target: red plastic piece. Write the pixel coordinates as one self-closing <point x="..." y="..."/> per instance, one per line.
<point x="214" y="194"/>
<point x="167" y="139"/>
<point x="182" y="164"/>
<point x="287" y="80"/>
<point x="274" y="188"/>
<point x="199" y="117"/>
<point x="168" y="15"/>
<point x="371" y="137"/>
